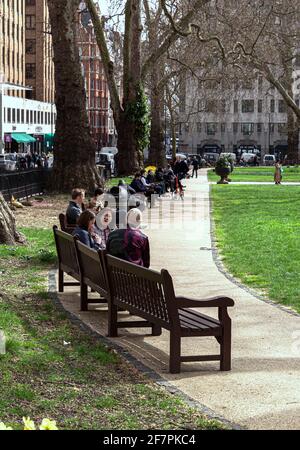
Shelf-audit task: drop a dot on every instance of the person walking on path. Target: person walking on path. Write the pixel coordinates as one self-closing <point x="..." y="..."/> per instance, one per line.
<point x="278" y="172"/>
<point x="195" y="165"/>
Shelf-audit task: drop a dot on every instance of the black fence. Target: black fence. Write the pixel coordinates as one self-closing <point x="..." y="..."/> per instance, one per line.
<point x="23" y="184"/>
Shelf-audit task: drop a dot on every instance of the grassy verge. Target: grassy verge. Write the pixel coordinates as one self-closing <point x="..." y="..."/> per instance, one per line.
<point x="258" y="234"/>
<point x="259" y="174"/>
<point x="52" y="369"/>
<point x="115" y="181"/>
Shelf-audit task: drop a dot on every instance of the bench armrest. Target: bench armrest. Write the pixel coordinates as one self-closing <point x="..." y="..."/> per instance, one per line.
<point x="219" y="302"/>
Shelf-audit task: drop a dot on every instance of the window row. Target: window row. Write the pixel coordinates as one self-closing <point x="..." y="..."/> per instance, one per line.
<point x="212" y="128"/>
<point x="14" y="115"/>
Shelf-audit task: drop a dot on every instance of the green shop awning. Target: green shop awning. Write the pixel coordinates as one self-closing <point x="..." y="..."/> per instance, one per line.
<point x="22" y="138"/>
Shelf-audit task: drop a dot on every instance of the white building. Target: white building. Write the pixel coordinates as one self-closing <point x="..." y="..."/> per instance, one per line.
<point x="25" y="124"/>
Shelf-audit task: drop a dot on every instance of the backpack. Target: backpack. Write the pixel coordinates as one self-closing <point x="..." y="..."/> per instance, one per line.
<point x="116" y="244"/>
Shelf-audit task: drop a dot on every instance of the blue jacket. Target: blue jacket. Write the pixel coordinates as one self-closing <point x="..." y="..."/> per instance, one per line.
<point x="73" y="212"/>
<point x="85" y="237"/>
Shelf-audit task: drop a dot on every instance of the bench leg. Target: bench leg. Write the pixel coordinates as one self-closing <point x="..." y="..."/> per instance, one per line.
<point x="175" y="351"/>
<point x="156" y="330"/>
<point x="60" y="281"/>
<point x="112" y="320"/>
<point x="225" y="363"/>
<point x="83" y="297"/>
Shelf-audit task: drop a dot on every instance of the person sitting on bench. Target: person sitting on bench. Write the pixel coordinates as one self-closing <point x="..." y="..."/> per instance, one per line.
<point x="130" y="243"/>
<point x="85" y="230"/>
<point x="75" y="207"/>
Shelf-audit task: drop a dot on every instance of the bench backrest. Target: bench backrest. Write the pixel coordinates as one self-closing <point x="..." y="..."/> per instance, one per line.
<point x="63" y="224"/>
<point x="149" y="294"/>
<point x="91" y="268"/>
<point x="66" y="252"/>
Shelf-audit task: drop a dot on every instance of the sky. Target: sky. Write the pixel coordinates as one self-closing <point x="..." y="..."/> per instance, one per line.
<point x="103" y="6"/>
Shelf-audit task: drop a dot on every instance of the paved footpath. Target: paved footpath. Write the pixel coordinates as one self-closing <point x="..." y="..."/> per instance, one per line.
<point x="263" y="389"/>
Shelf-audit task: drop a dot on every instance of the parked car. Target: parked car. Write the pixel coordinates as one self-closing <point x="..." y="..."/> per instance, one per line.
<point x="107" y="160"/>
<point x="247" y="158"/>
<point x="211" y="158"/>
<point x="8" y="161"/>
<point x="112" y="150"/>
<point x="269" y="160"/>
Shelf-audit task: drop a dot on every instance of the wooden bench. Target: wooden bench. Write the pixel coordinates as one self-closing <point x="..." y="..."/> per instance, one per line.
<point x="67" y="258"/>
<point x="92" y="274"/>
<point x="64" y="226"/>
<point x="150" y="295"/>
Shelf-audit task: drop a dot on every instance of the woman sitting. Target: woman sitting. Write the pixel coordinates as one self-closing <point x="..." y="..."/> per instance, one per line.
<point x="85" y="230"/>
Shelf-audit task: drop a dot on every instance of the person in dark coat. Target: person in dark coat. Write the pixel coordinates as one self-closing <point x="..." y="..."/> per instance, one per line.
<point x="195" y="165"/>
<point x="75" y="206"/>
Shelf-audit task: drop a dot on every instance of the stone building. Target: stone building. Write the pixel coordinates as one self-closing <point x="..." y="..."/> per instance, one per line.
<point x="253" y="115"/>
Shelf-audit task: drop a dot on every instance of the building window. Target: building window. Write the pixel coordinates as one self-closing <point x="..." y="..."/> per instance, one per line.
<point x="42" y="118"/>
<point x="236" y="106"/>
<point x="271" y="127"/>
<point x="297" y="61"/>
<point x="282" y="128"/>
<point x="272" y="105"/>
<point x="18" y="116"/>
<point x="22" y="115"/>
<point x="211" y="129"/>
<point x="282" y="106"/>
<point x="30" y="3"/>
<point x="34" y="117"/>
<point x="30" y="21"/>
<point x="30" y="70"/>
<point x="259" y="127"/>
<point x="211" y="106"/>
<point x="13" y="115"/>
<point x="247" y="106"/>
<point x="30" y="46"/>
<point x="39" y="117"/>
<point x="223" y="127"/>
<point x="223" y="105"/>
<point x="198" y="127"/>
<point x="235" y="127"/>
<point x="27" y="116"/>
<point x="9" y="115"/>
<point x="260" y="106"/>
<point x="247" y="128"/>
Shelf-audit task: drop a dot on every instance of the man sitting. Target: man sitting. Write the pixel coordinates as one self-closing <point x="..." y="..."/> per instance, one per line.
<point x="130" y="243"/>
<point x="137" y="184"/>
<point x="75" y="206"/>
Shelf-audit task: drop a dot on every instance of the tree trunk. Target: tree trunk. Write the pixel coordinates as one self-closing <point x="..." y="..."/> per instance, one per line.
<point x="157" y="150"/>
<point x="8" y="233"/>
<point x="74" y="150"/>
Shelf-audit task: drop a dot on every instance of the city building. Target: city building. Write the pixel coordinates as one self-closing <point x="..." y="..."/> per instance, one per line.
<point x="255" y="115"/>
<point x="12" y="43"/>
<point x="26" y="125"/>
<point x="39" y="66"/>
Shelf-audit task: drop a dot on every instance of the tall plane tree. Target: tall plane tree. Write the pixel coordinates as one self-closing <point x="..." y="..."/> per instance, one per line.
<point x="130" y="112"/>
<point x="74" y="148"/>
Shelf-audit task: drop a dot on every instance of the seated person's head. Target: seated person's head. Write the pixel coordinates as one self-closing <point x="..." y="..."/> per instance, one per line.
<point x="78" y="195"/>
<point x="143" y="173"/>
<point x="137" y="176"/>
<point x="99" y="191"/>
<point x="104" y="218"/>
<point x="86" y="220"/>
<point x="134" y="218"/>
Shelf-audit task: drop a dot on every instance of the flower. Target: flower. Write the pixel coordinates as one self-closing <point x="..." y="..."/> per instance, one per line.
<point x="28" y="423"/>
<point x="4" y="427"/>
<point x="48" y="424"/>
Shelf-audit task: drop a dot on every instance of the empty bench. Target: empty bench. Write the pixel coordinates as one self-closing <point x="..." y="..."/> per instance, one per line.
<point x="150" y="295"/>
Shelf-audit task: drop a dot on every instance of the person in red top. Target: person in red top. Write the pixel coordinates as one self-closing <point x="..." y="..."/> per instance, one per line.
<point x="130" y="244"/>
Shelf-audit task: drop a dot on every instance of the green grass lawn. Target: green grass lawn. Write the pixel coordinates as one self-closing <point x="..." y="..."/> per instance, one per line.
<point x="52" y="369"/>
<point x="115" y="181"/>
<point x="259" y="174"/>
<point x="258" y="234"/>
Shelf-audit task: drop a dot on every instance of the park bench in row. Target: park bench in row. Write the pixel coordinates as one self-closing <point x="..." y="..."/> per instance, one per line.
<point x="149" y="295"/>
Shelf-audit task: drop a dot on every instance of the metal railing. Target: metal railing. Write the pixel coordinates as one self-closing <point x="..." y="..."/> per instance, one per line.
<point x="23" y="184"/>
